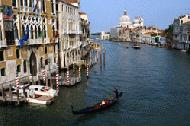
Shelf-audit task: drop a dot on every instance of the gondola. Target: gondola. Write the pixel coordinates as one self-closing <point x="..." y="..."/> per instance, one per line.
<point x="99" y="106"/>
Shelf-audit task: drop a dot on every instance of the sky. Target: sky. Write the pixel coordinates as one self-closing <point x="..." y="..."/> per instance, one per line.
<point x="104" y="14"/>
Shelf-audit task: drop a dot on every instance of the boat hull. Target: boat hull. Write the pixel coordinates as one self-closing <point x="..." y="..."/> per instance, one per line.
<point x="106" y="103"/>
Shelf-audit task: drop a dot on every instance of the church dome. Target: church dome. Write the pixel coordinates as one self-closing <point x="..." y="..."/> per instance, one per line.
<point x="125" y="17"/>
<point x="125" y="20"/>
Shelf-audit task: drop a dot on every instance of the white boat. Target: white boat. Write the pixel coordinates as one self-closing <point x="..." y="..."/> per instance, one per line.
<point x="42" y="90"/>
<point x="183" y="50"/>
<point x="44" y="100"/>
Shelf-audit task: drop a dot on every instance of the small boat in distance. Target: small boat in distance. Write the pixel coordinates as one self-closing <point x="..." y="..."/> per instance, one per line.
<point x="136" y="45"/>
<point x="99" y="106"/>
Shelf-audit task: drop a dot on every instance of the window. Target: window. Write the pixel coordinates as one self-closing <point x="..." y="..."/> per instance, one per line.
<point x="41" y="62"/>
<point x="15" y="31"/>
<point x="14" y="3"/>
<point x="18" y="69"/>
<point x="181" y="21"/>
<point x="189" y="38"/>
<point x="21" y="2"/>
<point x="17" y="53"/>
<point x="30" y="3"/>
<point x="24" y="66"/>
<point x="43" y="5"/>
<point x="188" y="17"/>
<point x="46" y="62"/>
<point x="3" y="72"/>
<point x="1" y="55"/>
<point x="45" y="50"/>
<point x="26" y="2"/>
<point x="39" y="32"/>
<point x="31" y="33"/>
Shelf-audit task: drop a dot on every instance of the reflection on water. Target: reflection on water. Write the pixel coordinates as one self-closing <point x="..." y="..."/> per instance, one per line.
<point x="155" y="82"/>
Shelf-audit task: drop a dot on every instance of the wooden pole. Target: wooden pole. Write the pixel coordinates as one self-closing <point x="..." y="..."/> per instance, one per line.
<point x="2" y="92"/>
<point x="46" y="79"/>
<point x="10" y="92"/>
<point x="101" y="59"/>
<point x="104" y="57"/>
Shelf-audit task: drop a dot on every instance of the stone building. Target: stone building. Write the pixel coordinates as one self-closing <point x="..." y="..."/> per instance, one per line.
<point x="28" y="38"/>
<point x="181" y="32"/>
<point x="124" y="31"/>
<point x="69" y="32"/>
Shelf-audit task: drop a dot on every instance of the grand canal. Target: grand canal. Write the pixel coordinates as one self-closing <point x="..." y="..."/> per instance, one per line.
<point x="155" y="82"/>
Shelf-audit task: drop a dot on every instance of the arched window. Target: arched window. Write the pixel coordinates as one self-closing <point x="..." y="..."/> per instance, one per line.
<point x="36" y="33"/>
<point x="26" y="2"/>
<point x="39" y="32"/>
<point x="31" y="33"/>
<point x="14" y="3"/>
<point x="15" y="31"/>
<point x="41" y="62"/>
<point x="30" y="3"/>
<point x="23" y="30"/>
<point x="24" y="66"/>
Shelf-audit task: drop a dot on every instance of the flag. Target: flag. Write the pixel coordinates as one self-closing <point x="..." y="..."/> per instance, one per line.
<point x="25" y="37"/>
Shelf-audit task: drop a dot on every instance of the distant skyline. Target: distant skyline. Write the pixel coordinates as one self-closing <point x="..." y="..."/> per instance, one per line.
<point x="104" y="14"/>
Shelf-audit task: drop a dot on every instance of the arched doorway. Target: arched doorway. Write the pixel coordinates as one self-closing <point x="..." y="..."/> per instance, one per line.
<point x="33" y="64"/>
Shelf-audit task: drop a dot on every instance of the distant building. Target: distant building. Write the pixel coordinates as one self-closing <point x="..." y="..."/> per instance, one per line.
<point x="104" y="36"/>
<point x="181" y="32"/>
<point x="123" y="32"/>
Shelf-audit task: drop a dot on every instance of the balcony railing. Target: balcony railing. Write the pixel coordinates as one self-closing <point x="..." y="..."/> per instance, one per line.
<point x="35" y="41"/>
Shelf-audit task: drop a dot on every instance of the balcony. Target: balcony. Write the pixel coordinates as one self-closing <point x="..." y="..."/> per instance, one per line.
<point x="73" y="32"/>
<point x="35" y="41"/>
<point x="47" y="41"/>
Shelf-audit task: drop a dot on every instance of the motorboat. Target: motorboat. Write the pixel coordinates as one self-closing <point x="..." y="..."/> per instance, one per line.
<point x="42" y="90"/>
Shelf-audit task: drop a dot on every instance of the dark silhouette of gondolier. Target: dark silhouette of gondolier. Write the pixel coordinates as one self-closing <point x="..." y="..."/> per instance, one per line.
<point x="116" y="93"/>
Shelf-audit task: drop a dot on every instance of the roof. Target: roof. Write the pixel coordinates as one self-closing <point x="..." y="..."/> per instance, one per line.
<point x="71" y="1"/>
<point x="82" y="13"/>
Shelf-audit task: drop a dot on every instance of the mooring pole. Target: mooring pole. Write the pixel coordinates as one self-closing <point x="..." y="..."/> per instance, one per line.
<point x="17" y="88"/>
<point x="2" y="92"/>
<point x="87" y="69"/>
<point x="104" y="57"/>
<point x="10" y="92"/>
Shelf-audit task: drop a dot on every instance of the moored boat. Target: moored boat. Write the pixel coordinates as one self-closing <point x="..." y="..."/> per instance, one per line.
<point x="42" y="90"/>
<point x="99" y="106"/>
<point x="43" y="100"/>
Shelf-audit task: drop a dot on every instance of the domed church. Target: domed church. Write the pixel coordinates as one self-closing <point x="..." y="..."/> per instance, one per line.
<point x="125" y="20"/>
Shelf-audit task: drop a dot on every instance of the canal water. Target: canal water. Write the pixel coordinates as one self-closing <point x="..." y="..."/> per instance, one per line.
<point x="155" y="82"/>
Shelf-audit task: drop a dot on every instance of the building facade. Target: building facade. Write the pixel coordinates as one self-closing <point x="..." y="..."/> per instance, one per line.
<point x="124" y="31"/>
<point x="28" y="38"/>
<point x="181" y="32"/>
<point x="69" y="32"/>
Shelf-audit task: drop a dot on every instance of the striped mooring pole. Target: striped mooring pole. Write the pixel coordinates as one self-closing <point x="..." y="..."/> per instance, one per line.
<point x="87" y="74"/>
<point x="68" y="76"/>
<point x="57" y="78"/>
<point x="44" y="75"/>
<point x="17" y="88"/>
<point x="17" y="82"/>
<point x="79" y="72"/>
